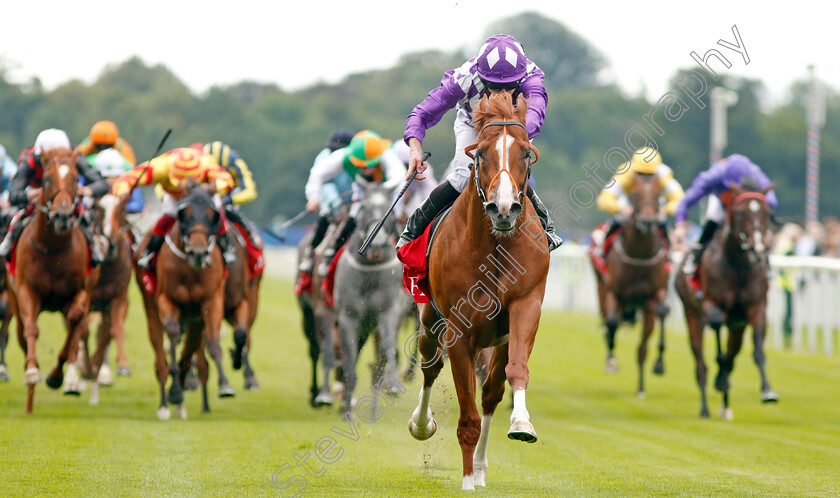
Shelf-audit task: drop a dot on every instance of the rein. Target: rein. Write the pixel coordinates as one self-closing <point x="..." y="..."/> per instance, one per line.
<point x="743" y="239"/>
<point x="504" y="163"/>
<point x="181" y="254"/>
<point x="628" y="260"/>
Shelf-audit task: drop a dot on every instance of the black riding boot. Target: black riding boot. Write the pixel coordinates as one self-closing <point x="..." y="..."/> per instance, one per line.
<point x="11" y="237"/>
<point x="554" y="240"/>
<point x="307" y="260"/>
<point x="693" y="262"/>
<point x="155" y="243"/>
<point x="442" y="196"/>
<point x="329" y="254"/>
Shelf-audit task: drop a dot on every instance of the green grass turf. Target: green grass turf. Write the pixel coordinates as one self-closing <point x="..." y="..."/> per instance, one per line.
<point x="596" y="437"/>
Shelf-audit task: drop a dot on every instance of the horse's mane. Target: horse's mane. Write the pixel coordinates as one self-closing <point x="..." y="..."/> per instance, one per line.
<point x="499" y="106"/>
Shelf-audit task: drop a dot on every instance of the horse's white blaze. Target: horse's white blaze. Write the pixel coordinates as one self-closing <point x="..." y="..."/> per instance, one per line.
<point x="480" y="455"/>
<point x="63" y="170"/>
<point x="759" y="241"/>
<point x="504" y="193"/>
<point x="520" y="411"/>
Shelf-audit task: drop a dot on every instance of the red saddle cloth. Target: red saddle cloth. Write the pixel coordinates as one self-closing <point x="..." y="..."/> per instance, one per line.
<point x="329" y="280"/>
<point x="416" y="266"/>
<point x="256" y="263"/>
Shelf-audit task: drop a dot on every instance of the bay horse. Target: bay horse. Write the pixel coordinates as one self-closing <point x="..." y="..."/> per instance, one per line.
<point x="5" y="311"/>
<point x="636" y="276"/>
<point x="241" y="299"/>
<point x="110" y="296"/>
<point x="487" y="275"/>
<point x="189" y="296"/>
<point x="52" y="271"/>
<point x="734" y="284"/>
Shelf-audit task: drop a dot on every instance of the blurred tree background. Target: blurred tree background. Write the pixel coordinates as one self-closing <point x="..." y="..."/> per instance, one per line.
<point x="279" y="132"/>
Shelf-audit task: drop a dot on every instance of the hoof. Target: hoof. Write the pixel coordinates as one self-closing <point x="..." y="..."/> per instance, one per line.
<point x="323" y="399"/>
<point x="191" y="382"/>
<point x="54" y="382"/>
<point x="32" y="376"/>
<point x="180" y="411"/>
<point x="94" y="394"/>
<point x="4" y="374"/>
<point x="225" y="391"/>
<point x="176" y="395"/>
<point x="769" y="396"/>
<point x="163" y="413"/>
<point x="704" y="412"/>
<point x="726" y="414"/>
<point x="612" y="366"/>
<point x="641" y="394"/>
<point x="659" y="368"/>
<point x="72" y="390"/>
<point x="105" y="378"/>
<point x="251" y="383"/>
<point x="522" y="431"/>
<point x="123" y="371"/>
<point x="422" y="434"/>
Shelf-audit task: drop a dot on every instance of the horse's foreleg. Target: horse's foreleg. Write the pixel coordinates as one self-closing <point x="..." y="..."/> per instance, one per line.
<point x="325" y="342"/>
<point x="647" y="330"/>
<point x="240" y="332"/>
<point x="695" y="337"/>
<point x="192" y="342"/>
<point x="388" y="324"/>
<point x="170" y="318"/>
<point x="348" y="329"/>
<point x="29" y="305"/>
<point x="250" y="378"/>
<point x="203" y="375"/>
<point x="213" y="312"/>
<point x="662" y="310"/>
<point x="4" y="335"/>
<point x="612" y="319"/>
<point x="462" y="359"/>
<point x="492" y="392"/>
<point x="422" y="425"/>
<point x="758" y="320"/>
<point x="524" y="320"/>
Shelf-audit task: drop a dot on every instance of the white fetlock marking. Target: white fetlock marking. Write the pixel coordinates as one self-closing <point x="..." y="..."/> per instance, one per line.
<point x="480" y="455"/>
<point x="726" y="414"/>
<point x="520" y="411"/>
<point x="71" y="380"/>
<point x="94" y="393"/>
<point x="105" y="378"/>
<point x="180" y="411"/>
<point x="31" y="376"/>
<point x="423" y="414"/>
<point x="469" y="483"/>
<point x="163" y="413"/>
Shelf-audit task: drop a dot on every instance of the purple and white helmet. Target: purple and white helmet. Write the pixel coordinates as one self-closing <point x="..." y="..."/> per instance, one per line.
<point x="501" y="59"/>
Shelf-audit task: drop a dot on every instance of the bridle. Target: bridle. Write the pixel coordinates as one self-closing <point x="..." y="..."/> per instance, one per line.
<point x="47" y="209"/>
<point x="743" y="238"/>
<point x="504" y="161"/>
<point x="209" y="232"/>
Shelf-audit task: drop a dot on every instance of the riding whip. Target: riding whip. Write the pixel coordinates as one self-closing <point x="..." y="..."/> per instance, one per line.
<point x="157" y="151"/>
<point x="381" y="222"/>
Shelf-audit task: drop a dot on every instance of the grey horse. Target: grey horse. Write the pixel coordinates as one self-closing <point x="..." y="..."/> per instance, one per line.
<point x="368" y="297"/>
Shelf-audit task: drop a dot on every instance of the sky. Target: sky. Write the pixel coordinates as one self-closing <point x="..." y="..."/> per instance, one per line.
<point x="296" y="44"/>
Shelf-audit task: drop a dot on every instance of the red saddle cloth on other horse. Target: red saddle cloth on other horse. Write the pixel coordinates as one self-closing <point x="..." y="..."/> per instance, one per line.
<point x="329" y="280"/>
<point x="256" y="263"/>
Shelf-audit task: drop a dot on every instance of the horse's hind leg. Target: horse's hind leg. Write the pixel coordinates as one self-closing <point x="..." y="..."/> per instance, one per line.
<point x="758" y="319"/>
<point x="492" y="392"/>
<point x="350" y="344"/>
<point x="695" y="337"/>
<point x="422" y="425"/>
<point x="240" y="332"/>
<point x="192" y="342"/>
<point x="170" y="318"/>
<point x="4" y="336"/>
<point x="734" y="343"/>
<point x="203" y="375"/>
<point x="647" y="330"/>
<point x="116" y="321"/>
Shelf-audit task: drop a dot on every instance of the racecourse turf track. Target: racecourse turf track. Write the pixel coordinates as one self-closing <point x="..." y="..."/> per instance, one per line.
<point x="595" y="436"/>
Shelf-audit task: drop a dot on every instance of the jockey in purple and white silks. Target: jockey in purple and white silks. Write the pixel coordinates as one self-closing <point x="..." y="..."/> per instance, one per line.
<point x="501" y="65"/>
<point x="715" y="183"/>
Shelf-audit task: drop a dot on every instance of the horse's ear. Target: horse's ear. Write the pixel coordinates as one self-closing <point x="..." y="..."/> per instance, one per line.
<point x="74" y="156"/>
<point x="734" y="188"/>
<point x="521" y="107"/>
<point x="769" y="188"/>
<point x="484" y="104"/>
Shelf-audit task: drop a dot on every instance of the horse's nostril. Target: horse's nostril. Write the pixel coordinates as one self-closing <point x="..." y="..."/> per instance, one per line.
<point x="492" y="209"/>
<point x="515" y="209"/>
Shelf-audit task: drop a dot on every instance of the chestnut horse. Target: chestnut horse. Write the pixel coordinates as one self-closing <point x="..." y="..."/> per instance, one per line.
<point x="487" y="274"/>
<point x="110" y="296"/>
<point x="189" y="296"/>
<point x="636" y="276"/>
<point x="734" y="283"/>
<point x="52" y="273"/>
